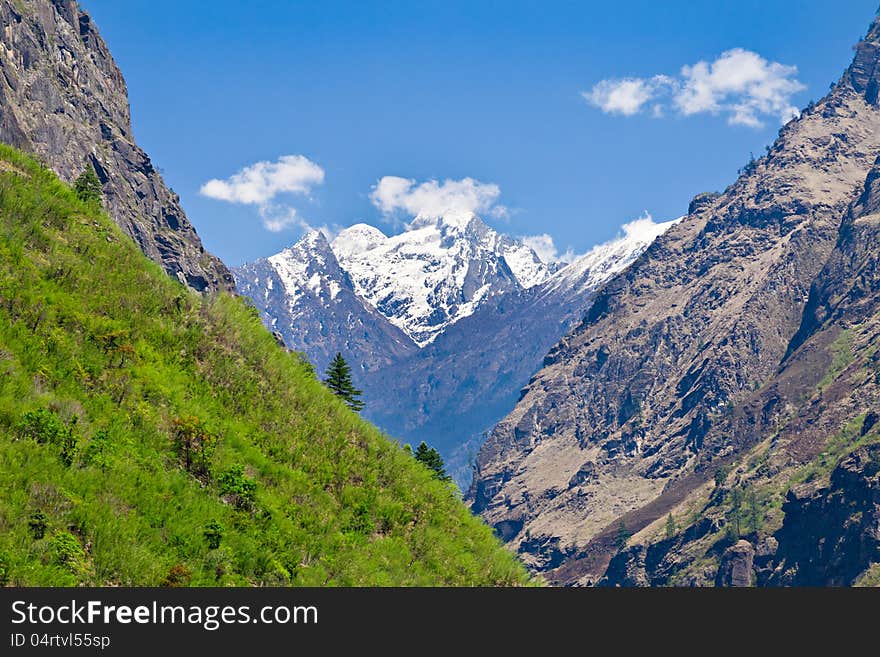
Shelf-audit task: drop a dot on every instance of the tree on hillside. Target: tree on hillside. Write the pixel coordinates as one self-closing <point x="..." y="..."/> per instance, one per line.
<point x="431" y="458"/>
<point x="339" y="381"/>
<point x="670" y="526"/>
<point x="622" y="537"/>
<point x="88" y="186"/>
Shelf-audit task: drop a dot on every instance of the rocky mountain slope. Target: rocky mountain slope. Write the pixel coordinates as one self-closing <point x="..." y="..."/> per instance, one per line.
<point x="702" y="361"/>
<point x="63" y="99"/>
<point x="445" y="322"/>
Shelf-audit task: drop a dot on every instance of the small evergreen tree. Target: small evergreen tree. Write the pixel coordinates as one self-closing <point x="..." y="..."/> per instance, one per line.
<point x="755" y="517"/>
<point x="88" y="186"/>
<point x="736" y="512"/>
<point x="339" y="381"/>
<point x="670" y="526"/>
<point x="431" y="458"/>
<point x="623" y="536"/>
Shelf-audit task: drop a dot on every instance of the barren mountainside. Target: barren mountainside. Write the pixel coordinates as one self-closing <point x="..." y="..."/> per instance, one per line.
<point x="687" y="362"/>
<point x="63" y="99"/>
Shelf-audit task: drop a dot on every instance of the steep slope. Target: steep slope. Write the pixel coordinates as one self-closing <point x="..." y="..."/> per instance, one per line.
<point x="438" y="271"/>
<point x="63" y="99"/>
<point x="303" y="294"/>
<point x="456" y="388"/>
<point x="809" y="491"/>
<point x="635" y="408"/>
<point x="149" y="435"/>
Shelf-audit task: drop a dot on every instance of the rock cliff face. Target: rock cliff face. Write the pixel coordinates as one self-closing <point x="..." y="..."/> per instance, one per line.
<point x="63" y="99"/>
<point x="700" y="351"/>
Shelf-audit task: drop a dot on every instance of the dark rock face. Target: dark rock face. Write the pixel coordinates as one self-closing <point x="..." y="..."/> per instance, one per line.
<point x="714" y="340"/>
<point x="627" y="569"/>
<point x="832" y="535"/>
<point x="737" y="565"/>
<point x="63" y="99"/>
<point x="702" y="201"/>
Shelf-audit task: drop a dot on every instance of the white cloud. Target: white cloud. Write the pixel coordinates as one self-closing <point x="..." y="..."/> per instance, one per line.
<point x="643" y="229"/>
<point x="434" y="199"/>
<point x="739" y="84"/>
<point x="277" y="218"/>
<point x="545" y="247"/>
<point x="260" y="183"/>
<point x="627" y="96"/>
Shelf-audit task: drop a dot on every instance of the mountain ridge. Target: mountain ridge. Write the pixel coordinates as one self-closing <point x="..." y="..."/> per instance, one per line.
<point x="653" y="391"/>
<point x="63" y="98"/>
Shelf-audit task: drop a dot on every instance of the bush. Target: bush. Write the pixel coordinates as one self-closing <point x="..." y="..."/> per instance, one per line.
<point x="41" y="425"/>
<point x="213" y="534"/>
<point x="66" y="551"/>
<point x="88" y="186"/>
<point x="45" y="427"/>
<point x="99" y="450"/>
<point x="237" y="487"/>
<point x="195" y="444"/>
<point x="179" y="575"/>
<point x="37" y="524"/>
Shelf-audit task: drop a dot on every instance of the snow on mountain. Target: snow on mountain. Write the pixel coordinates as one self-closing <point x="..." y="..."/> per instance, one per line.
<point x="603" y="261"/>
<point x="303" y="294"/>
<point x="444" y="323"/>
<point x="436" y="272"/>
<point x="356" y="239"/>
<point x="308" y="267"/>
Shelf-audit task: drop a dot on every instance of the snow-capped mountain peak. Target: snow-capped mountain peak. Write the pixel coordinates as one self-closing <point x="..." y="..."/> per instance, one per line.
<point x="309" y="267"/>
<point x="437" y="271"/>
<point x="603" y="261"/>
<point x="356" y="239"/>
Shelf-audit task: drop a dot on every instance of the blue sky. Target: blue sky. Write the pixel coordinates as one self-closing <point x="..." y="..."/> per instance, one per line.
<point x="490" y="91"/>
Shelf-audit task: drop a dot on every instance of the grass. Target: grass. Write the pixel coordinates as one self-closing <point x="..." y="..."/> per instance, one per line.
<point x="841" y="357"/>
<point x="108" y="368"/>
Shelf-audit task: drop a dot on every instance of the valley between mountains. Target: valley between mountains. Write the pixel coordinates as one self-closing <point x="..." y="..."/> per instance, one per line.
<point x="693" y="403"/>
<point x="445" y="322"/>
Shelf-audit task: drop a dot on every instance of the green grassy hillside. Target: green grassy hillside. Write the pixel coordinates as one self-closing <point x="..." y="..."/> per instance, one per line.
<point x="149" y="436"/>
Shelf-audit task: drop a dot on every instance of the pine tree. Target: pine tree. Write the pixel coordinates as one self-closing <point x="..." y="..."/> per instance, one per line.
<point x="339" y="381"/>
<point x="623" y="536"/>
<point x="88" y="186"/>
<point x="431" y="458"/>
<point x="670" y="526"/>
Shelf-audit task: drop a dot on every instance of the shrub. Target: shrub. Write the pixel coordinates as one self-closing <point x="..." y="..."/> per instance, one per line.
<point x="195" y="444"/>
<point x="41" y="425"/>
<point x="37" y="524"/>
<point x="213" y="534"/>
<point x="66" y="551"/>
<point x="99" y="450"/>
<point x="179" y="575"/>
<point x="45" y="427"/>
<point x="88" y="186"/>
<point x="237" y="487"/>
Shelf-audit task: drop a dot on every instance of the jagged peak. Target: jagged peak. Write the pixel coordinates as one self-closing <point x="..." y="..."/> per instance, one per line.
<point x="357" y="239"/>
<point x="453" y="219"/>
